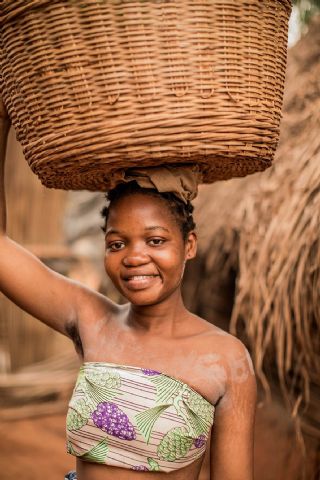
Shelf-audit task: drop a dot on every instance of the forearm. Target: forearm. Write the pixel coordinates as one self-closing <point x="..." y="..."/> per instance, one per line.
<point x="4" y="129"/>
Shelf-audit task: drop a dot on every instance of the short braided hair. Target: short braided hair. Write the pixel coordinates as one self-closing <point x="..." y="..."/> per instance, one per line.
<point x="182" y="212"/>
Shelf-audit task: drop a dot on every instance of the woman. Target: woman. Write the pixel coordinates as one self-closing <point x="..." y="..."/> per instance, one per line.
<point x="157" y="383"/>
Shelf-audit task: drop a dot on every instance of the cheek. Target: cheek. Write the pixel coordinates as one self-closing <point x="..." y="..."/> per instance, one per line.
<point x="171" y="261"/>
<point x="111" y="265"/>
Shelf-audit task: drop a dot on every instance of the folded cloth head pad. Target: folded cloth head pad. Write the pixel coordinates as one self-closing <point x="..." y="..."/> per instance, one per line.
<point x="182" y="181"/>
<point x="136" y="418"/>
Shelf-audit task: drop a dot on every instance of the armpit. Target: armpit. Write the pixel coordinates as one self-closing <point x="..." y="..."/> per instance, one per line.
<point x="73" y="332"/>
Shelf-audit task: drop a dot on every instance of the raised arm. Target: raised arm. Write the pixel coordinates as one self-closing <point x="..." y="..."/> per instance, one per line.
<point x="232" y="435"/>
<point x="52" y="298"/>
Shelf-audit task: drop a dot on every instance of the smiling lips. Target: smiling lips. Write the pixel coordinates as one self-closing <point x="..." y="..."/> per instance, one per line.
<point x="139" y="282"/>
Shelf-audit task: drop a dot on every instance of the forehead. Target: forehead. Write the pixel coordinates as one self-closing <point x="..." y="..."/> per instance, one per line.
<point x="141" y="209"/>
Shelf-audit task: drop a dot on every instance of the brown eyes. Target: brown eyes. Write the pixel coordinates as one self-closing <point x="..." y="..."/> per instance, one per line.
<point x="156" y="241"/>
<point x="115" y="246"/>
<point x="119" y="245"/>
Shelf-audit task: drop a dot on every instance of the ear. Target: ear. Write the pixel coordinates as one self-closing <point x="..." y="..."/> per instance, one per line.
<point x="191" y="245"/>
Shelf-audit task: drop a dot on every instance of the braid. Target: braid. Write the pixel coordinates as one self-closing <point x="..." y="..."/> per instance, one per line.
<point x="182" y="212"/>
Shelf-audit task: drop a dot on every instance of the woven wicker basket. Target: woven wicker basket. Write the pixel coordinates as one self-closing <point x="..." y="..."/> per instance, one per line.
<point x="94" y="86"/>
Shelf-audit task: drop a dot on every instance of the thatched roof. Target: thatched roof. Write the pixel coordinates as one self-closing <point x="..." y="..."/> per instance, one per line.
<point x="266" y="228"/>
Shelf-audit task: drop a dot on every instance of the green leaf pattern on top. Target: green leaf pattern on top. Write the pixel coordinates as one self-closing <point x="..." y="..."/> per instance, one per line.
<point x="78" y="414"/>
<point x="103" y="377"/>
<point x="154" y="466"/>
<point x="80" y="382"/>
<point x="146" y="420"/>
<point x="167" y="388"/>
<point x="98" y="453"/>
<point x="99" y="385"/>
<point x="189" y="405"/>
<point x="70" y="449"/>
<point x="201" y="408"/>
<point x="175" y="444"/>
<point x="102" y="385"/>
<point x="192" y="422"/>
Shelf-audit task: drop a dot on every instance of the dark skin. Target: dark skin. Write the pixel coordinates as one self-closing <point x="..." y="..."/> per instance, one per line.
<point x="153" y="330"/>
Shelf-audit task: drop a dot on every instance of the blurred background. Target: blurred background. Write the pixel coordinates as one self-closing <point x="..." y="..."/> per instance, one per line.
<point x="257" y="275"/>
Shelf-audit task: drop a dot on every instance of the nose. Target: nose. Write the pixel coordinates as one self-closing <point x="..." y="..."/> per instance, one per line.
<point x="135" y="256"/>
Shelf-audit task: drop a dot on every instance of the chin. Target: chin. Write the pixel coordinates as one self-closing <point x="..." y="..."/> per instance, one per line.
<point x="149" y="297"/>
<point x="143" y="299"/>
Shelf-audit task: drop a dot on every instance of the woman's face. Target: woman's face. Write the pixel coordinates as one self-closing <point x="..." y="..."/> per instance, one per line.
<point x="145" y="251"/>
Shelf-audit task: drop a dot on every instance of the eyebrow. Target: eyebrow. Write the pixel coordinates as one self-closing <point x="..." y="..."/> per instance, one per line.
<point x="157" y="227"/>
<point x="153" y="227"/>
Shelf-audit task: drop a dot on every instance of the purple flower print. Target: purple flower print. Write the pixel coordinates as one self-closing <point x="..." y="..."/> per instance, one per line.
<point x="141" y="468"/>
<point x="149" y="372"/>
<point x="109" y="418"/>
<point x="200" y="441"/>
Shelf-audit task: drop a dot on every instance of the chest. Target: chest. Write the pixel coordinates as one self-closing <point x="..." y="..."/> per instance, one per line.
<point x="188" y="360"/>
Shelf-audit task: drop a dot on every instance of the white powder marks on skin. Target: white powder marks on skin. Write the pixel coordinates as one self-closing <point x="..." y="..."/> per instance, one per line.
<point x="217" y="376"/>
<point x="241" y="368"/>
<point x="108" y="340"/>
<point x="209" y="359"/>
<point x="209" y="370"/>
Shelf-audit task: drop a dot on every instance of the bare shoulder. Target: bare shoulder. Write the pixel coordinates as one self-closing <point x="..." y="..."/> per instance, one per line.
<point x="229" y="347"/>
<point x="234" y="357"/>
<point x="233" y="353"/>
<point x="223" y="352"/>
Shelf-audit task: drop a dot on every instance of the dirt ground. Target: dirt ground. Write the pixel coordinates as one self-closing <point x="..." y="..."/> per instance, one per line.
<point x="34" y="449"/>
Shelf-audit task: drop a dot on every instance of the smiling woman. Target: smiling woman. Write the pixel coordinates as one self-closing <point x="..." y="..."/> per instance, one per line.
<point x="158" y="387"/>
<point x="147" y="244"/>
<point x="156" y="376"/>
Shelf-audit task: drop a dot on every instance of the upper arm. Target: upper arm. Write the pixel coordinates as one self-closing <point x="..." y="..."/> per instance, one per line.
<point x="233" y="430"/>
<point x="45" y="294"/>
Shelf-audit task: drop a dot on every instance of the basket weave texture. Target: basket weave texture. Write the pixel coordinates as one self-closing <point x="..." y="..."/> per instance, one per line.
<point x="96" y="86"/>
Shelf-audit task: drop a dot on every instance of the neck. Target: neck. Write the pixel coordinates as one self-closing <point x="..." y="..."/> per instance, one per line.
<point x="162" y="319"/>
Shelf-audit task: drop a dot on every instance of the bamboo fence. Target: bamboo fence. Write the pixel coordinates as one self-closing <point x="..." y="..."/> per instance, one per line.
<point x="34" y="218"/>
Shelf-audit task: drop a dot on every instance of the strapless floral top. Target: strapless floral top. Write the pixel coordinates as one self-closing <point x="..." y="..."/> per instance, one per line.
<point x="136" y="418"/>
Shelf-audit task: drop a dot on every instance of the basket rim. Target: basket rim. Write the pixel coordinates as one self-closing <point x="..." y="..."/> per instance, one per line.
<point x="13" y="8"/>
<point x="10" y="9"/>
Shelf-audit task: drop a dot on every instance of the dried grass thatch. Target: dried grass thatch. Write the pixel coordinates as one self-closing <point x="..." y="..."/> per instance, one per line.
<point x="267" y="229"/>
<point x="278" y="296"/>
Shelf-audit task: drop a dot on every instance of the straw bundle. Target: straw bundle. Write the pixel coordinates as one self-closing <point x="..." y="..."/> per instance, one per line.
<point x="275" y="234"/>
<point x="96" y="86"/>
<point x="279" y="285"/>
<point x="278" y="289"/>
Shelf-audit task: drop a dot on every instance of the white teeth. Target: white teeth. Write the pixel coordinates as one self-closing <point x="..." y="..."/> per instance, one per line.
<point x="140" y="277"/>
